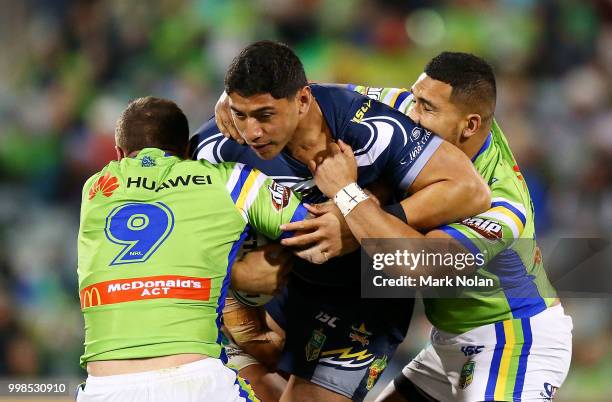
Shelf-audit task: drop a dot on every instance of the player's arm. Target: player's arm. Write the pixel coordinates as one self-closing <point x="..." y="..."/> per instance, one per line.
<point x="485" y="234"/>
<point x="446" y="189"/>
<point x="263" y="270"/>
<point x="447" y="177"/>
<point x="435" y="187"/>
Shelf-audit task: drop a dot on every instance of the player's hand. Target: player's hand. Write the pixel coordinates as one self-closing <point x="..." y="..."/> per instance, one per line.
<point x="224" y="119"/>
<point x="336" y="170"/>
<point x="264" y="270"/>
<point x="325" y="236"/>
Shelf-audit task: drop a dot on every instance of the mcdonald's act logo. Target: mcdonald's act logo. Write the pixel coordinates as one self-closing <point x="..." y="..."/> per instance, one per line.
<point x="87" y="297"/>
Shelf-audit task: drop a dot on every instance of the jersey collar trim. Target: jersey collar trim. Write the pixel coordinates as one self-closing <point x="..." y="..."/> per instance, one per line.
<point x="484" y="147"/>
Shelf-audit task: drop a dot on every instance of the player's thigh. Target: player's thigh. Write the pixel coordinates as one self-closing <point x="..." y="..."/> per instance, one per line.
<point x="341" y="343"/>
<point x="300" y="390"/>
<point x="548" y="360"/>
<point x="513" y="360"/>
<point x="425" y="377"/>
<point x="401" y="389"/>
<point x="268" y="385"/>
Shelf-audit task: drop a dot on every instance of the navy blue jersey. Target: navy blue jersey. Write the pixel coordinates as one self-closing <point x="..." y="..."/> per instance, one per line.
<point x="386" y="143"/>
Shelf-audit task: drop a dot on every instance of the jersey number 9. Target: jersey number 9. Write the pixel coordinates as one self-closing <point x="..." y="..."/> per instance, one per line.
<point x="140" y="227"/>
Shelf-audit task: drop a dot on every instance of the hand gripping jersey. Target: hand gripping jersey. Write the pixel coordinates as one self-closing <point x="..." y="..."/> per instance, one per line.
<point x="157" y="240"/>
<point x="522" y="287"/>
<point x="386" y="143"/>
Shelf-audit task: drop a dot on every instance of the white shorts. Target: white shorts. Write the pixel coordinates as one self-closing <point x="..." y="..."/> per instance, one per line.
<point x="206" y="380"/>
<point x="515" y="360"/>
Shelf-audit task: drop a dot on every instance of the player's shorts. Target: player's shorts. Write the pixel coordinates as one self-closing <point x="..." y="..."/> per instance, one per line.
<point x="515" y="360"/>
<point x="334" y="338"/>
<point x="206" y="380"/>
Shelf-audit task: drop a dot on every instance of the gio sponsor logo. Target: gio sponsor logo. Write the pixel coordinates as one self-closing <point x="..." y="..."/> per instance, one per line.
<point x="485" y="227"/>
<point x="416" y="133"/>
<point x="106" y="185"/>
<point x="279" y="195"/>
<point x="90" y="297"/>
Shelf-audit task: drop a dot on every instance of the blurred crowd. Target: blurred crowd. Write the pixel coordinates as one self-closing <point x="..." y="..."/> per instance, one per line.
<point x="68" y="68"/>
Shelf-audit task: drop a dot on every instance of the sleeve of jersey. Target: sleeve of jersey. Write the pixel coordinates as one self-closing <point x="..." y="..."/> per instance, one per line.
<point x="262" y="202"/>
<point x="398" y="98"/>
<point x="492" y="231"/>
<point x="410" y="149"/>
<point x="207" y="143"/>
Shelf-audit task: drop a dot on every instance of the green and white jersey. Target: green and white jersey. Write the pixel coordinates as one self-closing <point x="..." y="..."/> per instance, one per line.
<point x="504" y="235"/>
<point x="157" y="240"/>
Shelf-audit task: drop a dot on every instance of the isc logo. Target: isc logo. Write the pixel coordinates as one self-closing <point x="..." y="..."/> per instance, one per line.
<point x="471" y="350"/>
<point x="326" y="318"/>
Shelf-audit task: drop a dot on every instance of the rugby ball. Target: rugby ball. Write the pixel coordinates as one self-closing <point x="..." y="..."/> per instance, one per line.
<point x="251" y="300"/>
<point x="252" y="241"/>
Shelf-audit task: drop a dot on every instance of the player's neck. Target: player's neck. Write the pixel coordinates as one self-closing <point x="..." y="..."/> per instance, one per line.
<point x="311" y="136"/>
<point x="475" y="143"/>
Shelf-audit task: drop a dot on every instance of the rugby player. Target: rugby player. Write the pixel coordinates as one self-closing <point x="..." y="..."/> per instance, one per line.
<point x="286" y="124"/>
<point x="157" y="240"/>
<point x="508" y="343"/>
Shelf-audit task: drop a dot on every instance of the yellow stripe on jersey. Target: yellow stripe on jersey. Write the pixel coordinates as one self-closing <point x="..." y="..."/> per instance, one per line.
<point x="392" y="103"/>
<point x="517" y="221"/>
<point x="246" y="188"/>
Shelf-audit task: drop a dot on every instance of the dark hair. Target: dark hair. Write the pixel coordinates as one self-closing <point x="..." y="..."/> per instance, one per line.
<point x="471" y="78"/>
<point x="266" y="67"/>
<point x="151" y="122"/>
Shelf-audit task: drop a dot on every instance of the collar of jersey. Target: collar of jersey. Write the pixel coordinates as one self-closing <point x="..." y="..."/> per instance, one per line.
<point x="484" y="147"/>
<point x="152" y="152"/>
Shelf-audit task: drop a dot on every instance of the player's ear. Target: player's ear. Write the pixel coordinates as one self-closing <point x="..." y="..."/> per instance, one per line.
<point x="119" y="152"/>
<point x="474" y="122"/>
<point x="303" y="97"/>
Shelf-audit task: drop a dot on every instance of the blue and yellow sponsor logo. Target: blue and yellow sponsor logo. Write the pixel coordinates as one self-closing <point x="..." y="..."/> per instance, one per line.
<point x="360" y="114"/>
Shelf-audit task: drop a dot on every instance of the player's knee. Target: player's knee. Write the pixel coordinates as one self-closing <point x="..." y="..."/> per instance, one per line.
<point x="267" y="385"/>
<point x="300" y="390"/>
<point x="405" y="390"/>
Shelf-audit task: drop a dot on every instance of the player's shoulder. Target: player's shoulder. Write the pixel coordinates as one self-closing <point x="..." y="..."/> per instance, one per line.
<point x="397" y="98"/>
<point x="102" y="180"/>
<point x="507" y="182"/>
<point x="512" y="193"/>
<point x="375" y="127"/>
<point x="208" y="143"/>
<point x="338" y="96"/>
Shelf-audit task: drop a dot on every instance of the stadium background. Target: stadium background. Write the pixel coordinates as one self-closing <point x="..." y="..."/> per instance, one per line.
<point x="68" y="68"/>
